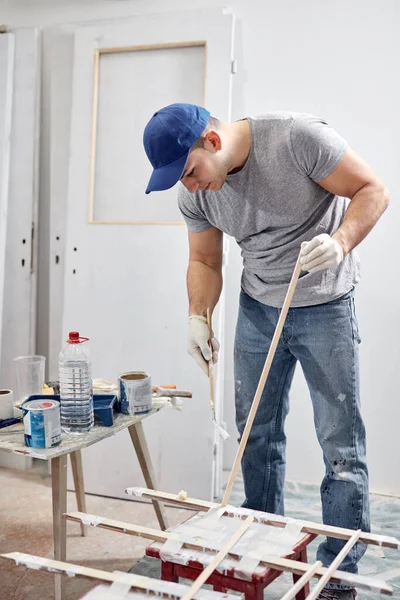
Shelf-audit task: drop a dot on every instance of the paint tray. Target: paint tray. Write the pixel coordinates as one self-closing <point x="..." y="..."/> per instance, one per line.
<point x="103" y="406"/>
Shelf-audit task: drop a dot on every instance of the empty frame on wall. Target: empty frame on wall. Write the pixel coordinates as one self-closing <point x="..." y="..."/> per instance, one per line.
<point x="129" y="84"/>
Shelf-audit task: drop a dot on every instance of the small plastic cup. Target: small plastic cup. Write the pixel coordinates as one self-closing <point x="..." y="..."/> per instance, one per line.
<point x="29" y="373"/>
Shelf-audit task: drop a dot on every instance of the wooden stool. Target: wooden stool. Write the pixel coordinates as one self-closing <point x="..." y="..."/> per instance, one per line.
<point x="233" y="579"/>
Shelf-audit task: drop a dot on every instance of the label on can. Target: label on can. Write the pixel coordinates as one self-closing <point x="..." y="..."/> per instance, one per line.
<point x="42" y="423"/>
<point x="135" y="392"/>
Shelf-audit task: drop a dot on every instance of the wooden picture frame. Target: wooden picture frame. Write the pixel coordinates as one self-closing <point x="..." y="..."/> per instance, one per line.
<point x="95" y="105"/>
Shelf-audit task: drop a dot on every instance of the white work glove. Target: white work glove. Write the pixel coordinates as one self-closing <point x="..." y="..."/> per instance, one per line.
<point x="198" y="342"/>
<point x="322" y="252"/>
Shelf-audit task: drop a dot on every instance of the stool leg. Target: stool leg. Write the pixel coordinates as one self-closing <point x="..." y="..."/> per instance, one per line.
<point x="254" y="591"/>
<point x="167" y="572"/>
<point x="303" y="593"/>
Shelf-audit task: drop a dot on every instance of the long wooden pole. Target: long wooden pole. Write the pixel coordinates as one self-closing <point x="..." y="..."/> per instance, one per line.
<point x="218" y="558"/>
<point x="55" y="566"/>
<point x="339" y="533"/>
<point x="261" y="383"/>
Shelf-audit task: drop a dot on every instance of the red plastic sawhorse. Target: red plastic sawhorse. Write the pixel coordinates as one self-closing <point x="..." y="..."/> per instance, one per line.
<point x="252" y="590"/>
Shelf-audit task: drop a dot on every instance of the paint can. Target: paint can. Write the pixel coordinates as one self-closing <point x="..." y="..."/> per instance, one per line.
<point x="6" y="404"/>
<point x="42" y="423"/>
<point x="135" y="392"/>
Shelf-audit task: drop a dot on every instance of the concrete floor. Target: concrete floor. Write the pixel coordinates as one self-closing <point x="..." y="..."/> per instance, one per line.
<point x="26" y="526"/>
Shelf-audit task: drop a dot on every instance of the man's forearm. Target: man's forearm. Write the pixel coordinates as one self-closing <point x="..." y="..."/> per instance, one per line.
<point x="364" y="210"/>
<point x="204" y="285"/>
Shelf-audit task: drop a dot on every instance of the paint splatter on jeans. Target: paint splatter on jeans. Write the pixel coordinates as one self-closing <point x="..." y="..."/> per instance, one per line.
<point x="324" y="339"/>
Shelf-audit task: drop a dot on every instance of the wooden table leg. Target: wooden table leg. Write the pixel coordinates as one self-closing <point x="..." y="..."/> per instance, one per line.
<point x="59" y="492"/>
<point x="139" y="441"/>
<point x="77" y="472"/>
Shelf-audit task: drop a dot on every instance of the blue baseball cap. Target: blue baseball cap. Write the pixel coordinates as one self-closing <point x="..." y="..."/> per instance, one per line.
<point x="168" y="138"/>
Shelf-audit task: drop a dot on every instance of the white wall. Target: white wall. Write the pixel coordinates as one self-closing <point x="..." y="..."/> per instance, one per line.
<point x="337" y="60"/>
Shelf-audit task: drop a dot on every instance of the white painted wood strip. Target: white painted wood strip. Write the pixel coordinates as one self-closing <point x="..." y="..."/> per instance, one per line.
<point x="333" y="566"/>
<point x="174" y="590"/>
<point x="275" y="562"/>
<point x="219" y="557"/>
<point x="269" y="519"/>
<point x="294" y="590"/>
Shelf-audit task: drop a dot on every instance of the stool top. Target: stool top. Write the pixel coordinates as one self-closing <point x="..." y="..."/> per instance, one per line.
<point x="210" y="531"/>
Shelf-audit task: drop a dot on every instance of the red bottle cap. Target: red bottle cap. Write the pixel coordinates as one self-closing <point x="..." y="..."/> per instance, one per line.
<point x="74" y="338"/>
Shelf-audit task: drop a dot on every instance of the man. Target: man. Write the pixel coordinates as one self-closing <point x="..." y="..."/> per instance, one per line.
<point x="278" y="184"/>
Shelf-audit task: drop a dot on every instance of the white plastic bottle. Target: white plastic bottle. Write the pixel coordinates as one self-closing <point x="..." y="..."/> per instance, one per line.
<point x="76" y="389"/>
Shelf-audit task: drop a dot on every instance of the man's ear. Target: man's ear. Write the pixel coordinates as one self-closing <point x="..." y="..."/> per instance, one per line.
<point x="212" y="141"/>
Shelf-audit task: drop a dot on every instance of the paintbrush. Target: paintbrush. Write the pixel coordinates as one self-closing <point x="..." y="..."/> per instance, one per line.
<point x="224" y="434"/>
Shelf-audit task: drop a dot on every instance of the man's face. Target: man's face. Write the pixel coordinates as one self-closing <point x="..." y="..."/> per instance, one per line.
<point x="204" y="170"/>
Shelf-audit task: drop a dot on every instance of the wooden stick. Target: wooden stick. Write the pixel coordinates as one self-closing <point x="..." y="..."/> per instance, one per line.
<point x="334" y="565"/>
<point x="196" y="585"/>
<point x="294" y="590"/>
<point x="339" y="533"/>
<point x="276" y="562"/>
<point x="139" y="582"/>
<point x="261" y="383"/>
<point x="210" y="365"/>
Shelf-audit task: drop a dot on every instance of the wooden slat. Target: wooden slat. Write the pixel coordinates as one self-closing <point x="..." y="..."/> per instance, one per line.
<point x="313" y="595"/>
<point x="294" y="590"/>
<point x="275" y="562"/>
<point x="138" y="582"/>
<point x="339" y="533"/>
<point x="218" y="558"/>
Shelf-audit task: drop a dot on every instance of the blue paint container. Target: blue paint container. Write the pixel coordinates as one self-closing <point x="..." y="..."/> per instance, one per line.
<point x="42" y="423"/>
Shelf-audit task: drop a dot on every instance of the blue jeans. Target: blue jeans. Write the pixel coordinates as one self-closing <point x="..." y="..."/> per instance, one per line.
<point x="324" y="339"/>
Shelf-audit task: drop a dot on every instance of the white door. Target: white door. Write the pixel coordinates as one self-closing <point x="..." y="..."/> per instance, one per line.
<point x="6" y="99"/>
<point x="19" y="310"/>
<point x="126" y="253"/>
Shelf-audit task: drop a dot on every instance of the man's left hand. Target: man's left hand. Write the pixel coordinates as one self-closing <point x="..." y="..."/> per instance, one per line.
<point x="322" y="252"/>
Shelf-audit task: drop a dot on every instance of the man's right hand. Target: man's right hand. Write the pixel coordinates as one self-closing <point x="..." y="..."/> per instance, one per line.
<point x="198" y="342"/>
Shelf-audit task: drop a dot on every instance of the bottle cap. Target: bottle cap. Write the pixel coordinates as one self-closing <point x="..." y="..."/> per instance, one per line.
<point x="74" y="338"/>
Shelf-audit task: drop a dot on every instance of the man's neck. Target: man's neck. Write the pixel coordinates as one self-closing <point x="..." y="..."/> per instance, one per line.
<point x="240" y="143"/>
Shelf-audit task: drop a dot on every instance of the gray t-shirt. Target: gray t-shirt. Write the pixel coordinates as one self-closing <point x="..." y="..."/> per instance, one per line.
<point x="274" y="203"/>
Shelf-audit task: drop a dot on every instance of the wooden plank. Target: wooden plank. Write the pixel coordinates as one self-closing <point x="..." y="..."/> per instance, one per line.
<point x="304" y="579"/>
<point x="143" y="455"/>
<point x="209" y="570"/>
<point x="261" y="383"/>
<point x="135" y="581"/>
<point x="333" y="566"/>
<point x="276" y="562"/>
<point x="268" y="519"/>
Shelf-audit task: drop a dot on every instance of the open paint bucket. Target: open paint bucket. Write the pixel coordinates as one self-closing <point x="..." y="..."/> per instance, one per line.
<point x="135" y="392"/>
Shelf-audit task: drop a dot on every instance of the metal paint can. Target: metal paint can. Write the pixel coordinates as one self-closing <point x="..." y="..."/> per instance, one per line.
<point x="135" y="392"/>
<point x="42" y="423"/>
